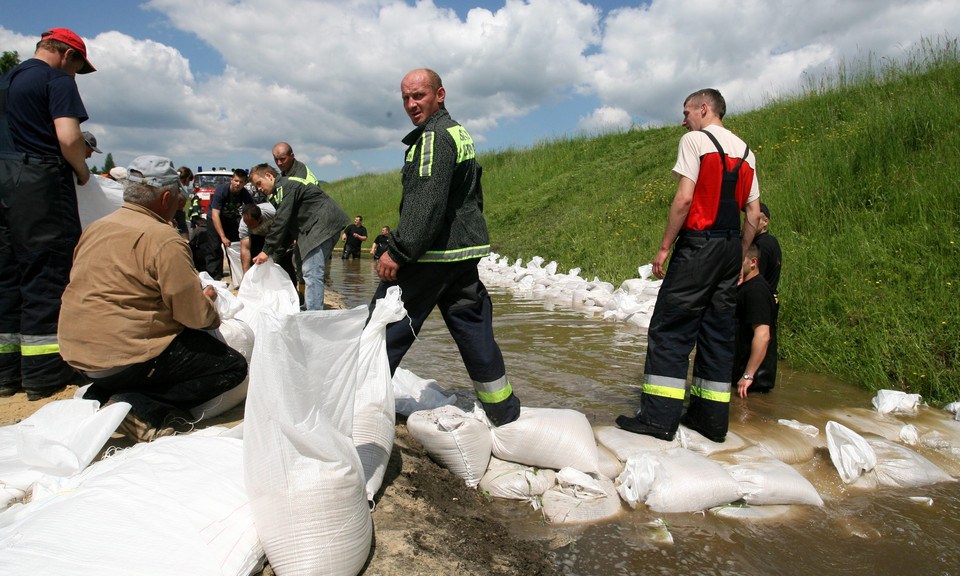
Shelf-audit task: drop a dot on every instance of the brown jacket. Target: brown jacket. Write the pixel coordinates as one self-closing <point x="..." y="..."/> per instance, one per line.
<point x="132" y="290"/>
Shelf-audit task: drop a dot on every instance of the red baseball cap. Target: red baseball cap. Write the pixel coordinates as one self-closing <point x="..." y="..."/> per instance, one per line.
<point x="73" y="41"/>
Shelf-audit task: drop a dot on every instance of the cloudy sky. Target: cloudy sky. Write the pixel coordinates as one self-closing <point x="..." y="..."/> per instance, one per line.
<point x="218" y="82"/>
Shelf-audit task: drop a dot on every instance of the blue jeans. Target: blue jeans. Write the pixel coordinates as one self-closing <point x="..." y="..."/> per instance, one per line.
<point x="314" y="267"/>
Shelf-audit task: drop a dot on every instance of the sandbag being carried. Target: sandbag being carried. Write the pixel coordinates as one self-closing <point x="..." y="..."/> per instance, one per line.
<point x="266" y="287"/>
<point x="458" y="441"/>
<point x="303" y="474"/>
<point x="579" y="498"/>
<point x="374" y="415"/>
<point x="548" y="438"/>
<point x="173" y="506"/>
<point x="676" y="481"/>
<point x="516" y="481"/>
<point x="59" y="439"/>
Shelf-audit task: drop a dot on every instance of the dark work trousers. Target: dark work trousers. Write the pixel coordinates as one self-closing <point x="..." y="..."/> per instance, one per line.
<point x="194" y="368"/>
<point x="39" y="229"/>
<point x="215" y="254"/>
<point x="466" y="308"/>
<point x="696" y="306"/>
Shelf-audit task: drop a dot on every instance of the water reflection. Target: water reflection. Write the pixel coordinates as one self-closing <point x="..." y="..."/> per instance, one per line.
<point x="557" y="358"/>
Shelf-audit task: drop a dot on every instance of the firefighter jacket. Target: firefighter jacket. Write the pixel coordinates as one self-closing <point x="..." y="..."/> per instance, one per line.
<point x="441" y="210"/>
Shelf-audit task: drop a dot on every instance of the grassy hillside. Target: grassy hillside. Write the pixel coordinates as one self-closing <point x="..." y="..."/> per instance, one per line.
<point x="859" y="173"/>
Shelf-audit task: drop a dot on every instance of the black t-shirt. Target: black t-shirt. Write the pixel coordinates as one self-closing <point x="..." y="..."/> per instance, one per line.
<point x="380" y="243"/>
<point x="351" y="241"/>
<point x="769" y="259"/>
<point x="755" y="305"/>
<point x="38" y="95"/>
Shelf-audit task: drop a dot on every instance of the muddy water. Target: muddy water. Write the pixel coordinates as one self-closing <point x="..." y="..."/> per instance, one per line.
<point x="558" y="358"/>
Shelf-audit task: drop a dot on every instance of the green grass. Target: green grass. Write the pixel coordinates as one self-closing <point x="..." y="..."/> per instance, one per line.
<point x="859" y="172"/>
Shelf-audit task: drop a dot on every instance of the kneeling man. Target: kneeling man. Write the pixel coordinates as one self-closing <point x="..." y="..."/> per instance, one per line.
<point x="134" y="314"/>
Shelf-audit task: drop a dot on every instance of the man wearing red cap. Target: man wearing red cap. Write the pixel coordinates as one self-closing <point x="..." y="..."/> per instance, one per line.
<point x="42" y="158"/>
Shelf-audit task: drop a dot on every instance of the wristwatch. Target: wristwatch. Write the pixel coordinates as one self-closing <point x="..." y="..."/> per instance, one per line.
<point x="747" y="377"/>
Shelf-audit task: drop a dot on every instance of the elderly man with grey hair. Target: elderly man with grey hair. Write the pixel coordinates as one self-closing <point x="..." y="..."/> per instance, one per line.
<point x="134" y="315"/>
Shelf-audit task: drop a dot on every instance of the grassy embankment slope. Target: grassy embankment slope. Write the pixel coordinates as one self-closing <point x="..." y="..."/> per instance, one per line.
<point x="860" y="173"/>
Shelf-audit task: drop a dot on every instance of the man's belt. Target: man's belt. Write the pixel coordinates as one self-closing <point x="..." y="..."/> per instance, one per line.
<point x="710" y="233"/>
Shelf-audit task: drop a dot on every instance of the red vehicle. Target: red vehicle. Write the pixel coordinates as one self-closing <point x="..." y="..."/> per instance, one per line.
<point x="205" y="183"/>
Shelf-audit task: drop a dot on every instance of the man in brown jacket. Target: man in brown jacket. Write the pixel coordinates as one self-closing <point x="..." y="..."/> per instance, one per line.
<point x="134" y="315"/>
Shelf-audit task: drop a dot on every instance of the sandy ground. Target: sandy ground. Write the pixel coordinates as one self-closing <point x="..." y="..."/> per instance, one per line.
<point x="426" y="520"/>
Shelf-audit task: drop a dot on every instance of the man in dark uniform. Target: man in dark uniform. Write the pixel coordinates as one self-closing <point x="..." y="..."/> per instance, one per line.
<point x="697" y="300"/>
<point x="42" y="158"/>
<point x="434" y="250"/>
<point x="223" y="221"/>
<point x="755" y="356"/>
<point x="352" y="238"/>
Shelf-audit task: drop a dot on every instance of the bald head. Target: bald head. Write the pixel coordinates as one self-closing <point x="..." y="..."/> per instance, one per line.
<point x="283" y="156"/>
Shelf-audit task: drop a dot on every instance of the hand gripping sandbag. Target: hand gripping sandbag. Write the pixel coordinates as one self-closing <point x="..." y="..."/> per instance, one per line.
<point x="676" y="481"/>
<point x="266" y="287"/>
<point x="374" y="414"/>
<point x="173" y="506"/>
<point x="226" y="303"/>
<point x="303" y="474"/>
<point x="458" y="441"/>
<point x="548" y="438"/>
<point x="59" y="439"/>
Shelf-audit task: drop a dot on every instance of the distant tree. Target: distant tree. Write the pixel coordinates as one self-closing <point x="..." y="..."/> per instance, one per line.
<point x="108" y="164"/>
<point x="8" y="61"/>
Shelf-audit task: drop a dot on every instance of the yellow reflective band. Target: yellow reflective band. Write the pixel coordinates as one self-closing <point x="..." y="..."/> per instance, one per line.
<point x="10" y="348"/>
<point x="426" y="155"/>
<point x="465" y="148"/>
<point x="710" y="394"/>
<point x="455" y="255"/>
<point x="494" y="397"/>
<point x="665" y="391"/>
<point x="40" y="349"/>
<point x="411" y="153"/>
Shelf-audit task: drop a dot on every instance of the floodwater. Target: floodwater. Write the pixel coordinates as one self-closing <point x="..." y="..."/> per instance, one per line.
<point x="558" y="358"/>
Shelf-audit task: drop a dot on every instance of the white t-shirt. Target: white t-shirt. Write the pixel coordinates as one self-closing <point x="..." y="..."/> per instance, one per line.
<point x="268" y="212"/>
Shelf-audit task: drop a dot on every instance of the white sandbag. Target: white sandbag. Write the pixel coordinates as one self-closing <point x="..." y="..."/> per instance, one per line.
<point x="236" y="267"/>
<point x="266" y="287"/>
<point x="59" y="439"/>
<point x="697" y="442"/>
<point x="97" y="198"/>
<point x="303" y="474"/>
<point x="953" y="408"/>
<point x="771" y="481"/>
<point x="783" y="443"/>
<point x="849" y="452"/>
<point x="610" y="466"/>
<point x="625" y="444"/>
<point x="413" y="393"/>
<point x="516" y="481"/>
<point x="909" y="434"/>
<point x="806" y="429"/>
<point x="579" y="498"/>
<point x="867" y="421"/>
<point x="458" y="441"/>
<point x="173" y="506"/>
<point x="374" y="414"/>
<point x="548" y="438"/>
<point x="753" y="513"/>
<point x="900" y="466"/>
<point x="226" y="303"/>
<point x="887" y="401"/>
<point x="677" y="480"/>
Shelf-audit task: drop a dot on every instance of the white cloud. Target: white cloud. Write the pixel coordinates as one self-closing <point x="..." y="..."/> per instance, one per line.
<point x="605" y="119"/>
<point x="324" y="75"/>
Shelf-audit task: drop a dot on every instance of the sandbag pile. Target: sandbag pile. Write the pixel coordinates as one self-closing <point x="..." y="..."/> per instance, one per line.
<point x="632" y="302"/>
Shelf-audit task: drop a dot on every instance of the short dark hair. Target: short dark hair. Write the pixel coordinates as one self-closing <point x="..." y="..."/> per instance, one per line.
<point x="253" y="211"/>
<point x="753" y="251"/>
<point x="264" y="168"/>
<point x="713" y="97"/>
<point x="764" y="210"/>
<point x="240" y="173"/>
<point x="185" y="173"/>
